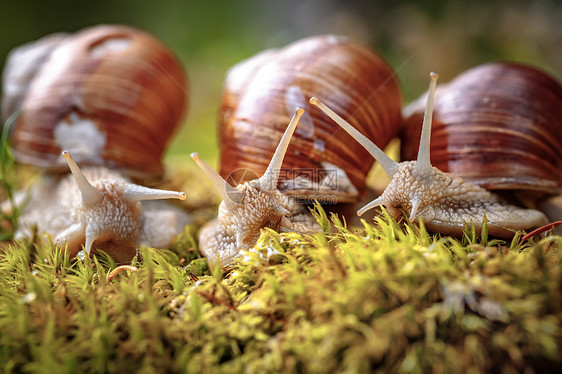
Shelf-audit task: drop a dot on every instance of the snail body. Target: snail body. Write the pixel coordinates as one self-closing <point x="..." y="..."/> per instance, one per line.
<point x="112" y="96"/>
<point x="249" y="207"/>
<point x="261" y="93"/>
<point x="101" y="207"/>
<point x="444" y="202"/>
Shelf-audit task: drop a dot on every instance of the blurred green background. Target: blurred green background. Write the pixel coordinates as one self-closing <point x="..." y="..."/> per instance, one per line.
<point x="210" y="36"/>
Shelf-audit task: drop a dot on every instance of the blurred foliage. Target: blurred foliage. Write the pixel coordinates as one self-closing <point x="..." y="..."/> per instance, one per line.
<point x="415" y="37"/>
<point x="9" y="209"/>
<point x="386" y="298"/>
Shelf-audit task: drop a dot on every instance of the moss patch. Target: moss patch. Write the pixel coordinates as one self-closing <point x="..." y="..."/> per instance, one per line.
<point x="384" y="297"/>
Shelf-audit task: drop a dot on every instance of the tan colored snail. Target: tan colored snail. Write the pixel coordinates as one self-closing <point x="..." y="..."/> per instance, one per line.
<point x="259" y="98"/>
<point x="445" y="203"/>
<point x="251" y="206"/>
<point x="101" y="206"/>
<point x="112" y="96"/>
<point x="495" y="125"/>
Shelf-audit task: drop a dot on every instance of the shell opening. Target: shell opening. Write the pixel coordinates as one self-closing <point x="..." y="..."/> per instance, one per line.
<point x="81" y="136"/>
<point x="269" y="179"/>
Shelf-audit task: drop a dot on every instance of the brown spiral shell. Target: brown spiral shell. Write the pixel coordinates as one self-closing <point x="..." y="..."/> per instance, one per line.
<point x="497" y="125"/>
<point x="111" y="95"/>
<point x="260" y="96"/>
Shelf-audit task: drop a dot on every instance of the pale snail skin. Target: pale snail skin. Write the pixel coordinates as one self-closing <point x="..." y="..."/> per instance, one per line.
<point x="100" y="207"/>
<point x="250" y="207"/>
<point x="445" y="203"/>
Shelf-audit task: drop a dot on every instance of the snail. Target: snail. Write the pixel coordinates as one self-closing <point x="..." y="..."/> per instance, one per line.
<point x="99" y="205"/>
<point x="251" y="206"/>
<point x="112" y="96"/>
<point x="259" y="98"/>
<point x="444" y="202"/>
<point x="495" y="125"/>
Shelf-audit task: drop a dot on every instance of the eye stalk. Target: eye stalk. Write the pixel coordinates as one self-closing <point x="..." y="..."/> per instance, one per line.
<point x="90" y="194"/>
<point x="424" y="162"/>
<point x="269" y="179"/>
<point x="230" y="195"/>
<point x="389" y="166"/>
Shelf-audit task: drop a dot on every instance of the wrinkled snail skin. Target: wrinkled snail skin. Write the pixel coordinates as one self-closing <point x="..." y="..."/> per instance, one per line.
<point x="112" y="96"/>
<point x="98" y="207"/>
<point x="251" y="206"/>
<point x="103" y="93"/>
<point x="258" y="100"/>
<point x="445" y="203"/>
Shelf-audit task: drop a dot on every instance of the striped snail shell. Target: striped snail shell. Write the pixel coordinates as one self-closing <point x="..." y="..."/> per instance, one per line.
<point x="111" y="95"/>
<point x="259" y="98"/>
<point x="496" y="125"/>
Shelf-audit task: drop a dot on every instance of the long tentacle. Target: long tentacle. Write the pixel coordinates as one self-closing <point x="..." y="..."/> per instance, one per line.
<point x="135" y="192"/>
<point x="389" y="165"/>
<point x="424" y="162"/>
<point x="90" y="194"/>
<point x="268" y="181"/>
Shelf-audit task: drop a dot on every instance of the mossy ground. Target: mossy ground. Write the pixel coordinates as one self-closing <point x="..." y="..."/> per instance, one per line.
<point x="385" y="298"/>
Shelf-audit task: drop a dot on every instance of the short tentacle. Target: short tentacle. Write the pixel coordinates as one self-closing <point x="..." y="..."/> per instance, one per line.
<point x="415" y="206"/>
<point x="91" y="237"/>
<point x="378" y="201"/>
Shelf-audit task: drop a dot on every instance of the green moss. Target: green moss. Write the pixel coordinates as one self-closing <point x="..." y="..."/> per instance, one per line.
<point x="380" y="298"/>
